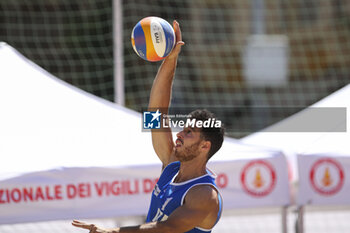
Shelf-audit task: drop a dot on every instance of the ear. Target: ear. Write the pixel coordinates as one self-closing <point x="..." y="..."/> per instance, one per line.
<point x="206" y="145"/>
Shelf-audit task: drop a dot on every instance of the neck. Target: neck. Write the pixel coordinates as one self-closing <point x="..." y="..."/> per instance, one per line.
<point x="190" y="170"/>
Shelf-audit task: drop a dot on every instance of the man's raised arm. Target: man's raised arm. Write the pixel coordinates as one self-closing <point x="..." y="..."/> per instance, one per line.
<point x="161" y="96"/>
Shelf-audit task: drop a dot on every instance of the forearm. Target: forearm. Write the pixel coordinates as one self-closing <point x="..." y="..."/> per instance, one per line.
<point x="162" y="85"/>
<point x="152" y="227"/>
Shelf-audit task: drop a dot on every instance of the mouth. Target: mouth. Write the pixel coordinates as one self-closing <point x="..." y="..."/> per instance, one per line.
<point x="178" y="142"/>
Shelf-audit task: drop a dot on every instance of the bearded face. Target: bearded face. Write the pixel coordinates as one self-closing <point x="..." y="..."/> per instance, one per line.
<point x="187" y="153"/>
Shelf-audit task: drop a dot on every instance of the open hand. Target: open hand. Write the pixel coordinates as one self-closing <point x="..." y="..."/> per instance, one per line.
<point x="178" y="41"/>
<point x="91" y="227"/>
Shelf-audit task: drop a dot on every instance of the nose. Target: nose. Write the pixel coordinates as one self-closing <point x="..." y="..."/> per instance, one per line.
<point x="180" y="134"/>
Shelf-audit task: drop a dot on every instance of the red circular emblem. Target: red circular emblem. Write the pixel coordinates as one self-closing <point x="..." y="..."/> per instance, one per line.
<point x="258" y="178"/>
<point x="327" y="176"/>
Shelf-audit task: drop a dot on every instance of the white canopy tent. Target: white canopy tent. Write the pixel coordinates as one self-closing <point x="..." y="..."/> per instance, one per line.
<point x="321" y="158"/>
<point x="275" y="137"/>
<point x="65" y="151"/>
<point x="47" y="123"/>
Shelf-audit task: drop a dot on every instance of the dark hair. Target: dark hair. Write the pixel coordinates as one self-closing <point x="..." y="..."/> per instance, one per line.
<point x="213" y="134"/>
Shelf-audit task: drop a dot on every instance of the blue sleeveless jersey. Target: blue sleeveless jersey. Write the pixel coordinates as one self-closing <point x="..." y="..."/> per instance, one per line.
<point x="167" y="196"/>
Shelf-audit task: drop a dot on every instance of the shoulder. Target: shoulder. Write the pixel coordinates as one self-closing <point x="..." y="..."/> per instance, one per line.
<point x="200" y="194"/>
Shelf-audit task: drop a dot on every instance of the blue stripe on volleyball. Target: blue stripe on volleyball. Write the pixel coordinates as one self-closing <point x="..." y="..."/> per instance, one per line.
<point x="140" y="41"/>
<point x="168" y="36"/>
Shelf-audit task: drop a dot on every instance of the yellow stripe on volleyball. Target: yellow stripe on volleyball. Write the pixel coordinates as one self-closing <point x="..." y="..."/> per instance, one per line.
<point x="150" y="51"/>
<point x="133" y="42"/>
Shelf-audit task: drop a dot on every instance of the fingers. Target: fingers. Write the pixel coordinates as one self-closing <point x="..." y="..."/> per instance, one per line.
<point x="80" y="224"/>
<point x="179" y="43"/>
<point x="177" y="31"/>
<point x="91" y="227"/>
